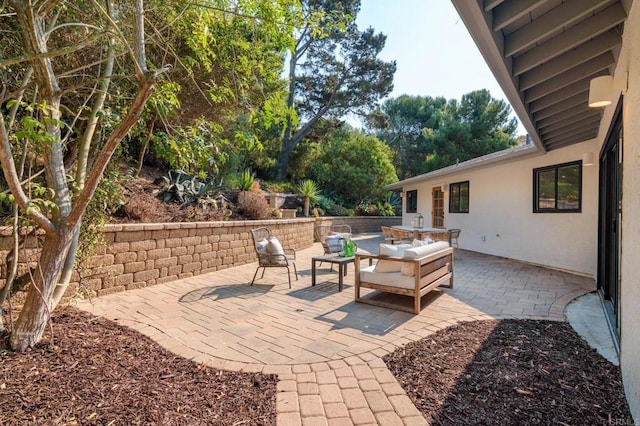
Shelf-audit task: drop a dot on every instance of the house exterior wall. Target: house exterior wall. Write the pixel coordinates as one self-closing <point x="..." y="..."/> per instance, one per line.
<point x="629" y="61"/>
<point x="501" y="221"/>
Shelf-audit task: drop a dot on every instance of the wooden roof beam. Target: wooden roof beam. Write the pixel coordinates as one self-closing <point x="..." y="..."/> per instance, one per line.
<point x="553" y="132"/>
<point x="575" y="57"/>
<point x="569" y="39"/>
<point x="582" y="136"/>
<point x="491" y="4"/>
<point x="570" y="116"/>
<point x="564" y="93"/>
<point x="586" y="70"/>
<point x="558" y="17"/>
<point x="510" y="11"/>
<point x="581" y="98"/>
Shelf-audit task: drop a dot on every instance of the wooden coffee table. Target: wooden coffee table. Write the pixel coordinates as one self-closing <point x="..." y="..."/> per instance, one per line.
<point x="341" y="261"/>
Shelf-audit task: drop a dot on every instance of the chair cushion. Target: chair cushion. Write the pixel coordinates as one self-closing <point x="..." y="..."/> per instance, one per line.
<point x="419" y="243"/>
<point x="334" y="243"/>
<point x="275" y="248"/>
<point x="392" y="279"/>
<point x="261" y="246"/>
<point x="345" y="235"/>
<point x="418" y="252"/>
<point x="394" y="251"/>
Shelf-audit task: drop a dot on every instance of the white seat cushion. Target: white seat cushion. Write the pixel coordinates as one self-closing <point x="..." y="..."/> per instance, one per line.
<point x="391" y="279"/>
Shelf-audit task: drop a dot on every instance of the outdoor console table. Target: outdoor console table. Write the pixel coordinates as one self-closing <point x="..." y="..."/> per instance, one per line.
<point x="341" y="261"/>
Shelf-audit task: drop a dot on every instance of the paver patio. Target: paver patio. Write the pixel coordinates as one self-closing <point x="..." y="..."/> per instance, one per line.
<point x="325" y="348"/>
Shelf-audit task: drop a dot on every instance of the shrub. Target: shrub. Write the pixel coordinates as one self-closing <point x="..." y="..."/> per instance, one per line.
<point x="253" y="205"/>
<point x="385" y="209"/>
<point x="246" y="181"/>
<point x="338" y="210"/>
<point x="367" y="209"/>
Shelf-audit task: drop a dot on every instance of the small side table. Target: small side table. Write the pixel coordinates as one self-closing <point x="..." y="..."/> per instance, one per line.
<point x="342" y="263"/>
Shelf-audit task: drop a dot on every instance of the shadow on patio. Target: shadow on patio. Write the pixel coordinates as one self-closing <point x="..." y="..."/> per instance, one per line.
<point x="220" y="315"/>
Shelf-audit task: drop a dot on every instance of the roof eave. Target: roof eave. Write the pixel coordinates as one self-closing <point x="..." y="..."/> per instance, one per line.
<point x="475" y="20"/>
<point x="476" y="163"/>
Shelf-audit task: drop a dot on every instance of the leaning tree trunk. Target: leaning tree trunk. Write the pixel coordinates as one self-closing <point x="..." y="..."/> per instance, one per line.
<point x="36" y="312"/>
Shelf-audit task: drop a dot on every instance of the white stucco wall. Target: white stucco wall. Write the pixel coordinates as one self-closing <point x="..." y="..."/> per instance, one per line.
<point x="629" y="61"/>
<point x="501" y="221"/>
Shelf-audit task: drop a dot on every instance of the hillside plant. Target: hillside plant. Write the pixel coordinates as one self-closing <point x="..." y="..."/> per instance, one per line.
<point x="253" y="205"/>
<point x="309" y="192"/>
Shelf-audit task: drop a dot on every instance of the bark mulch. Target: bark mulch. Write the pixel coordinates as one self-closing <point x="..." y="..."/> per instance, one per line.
<point x="510" y="372"/>
<point x="98" y="372"/>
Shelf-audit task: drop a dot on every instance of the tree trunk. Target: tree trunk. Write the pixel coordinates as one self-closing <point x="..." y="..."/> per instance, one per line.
<point x="36" y="311"/>
<point x="283" y="161"/>
<point x="307" y="201"/>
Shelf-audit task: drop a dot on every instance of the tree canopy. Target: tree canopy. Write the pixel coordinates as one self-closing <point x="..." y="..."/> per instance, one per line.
<point x="431" y="133"/>
<point x="334" y="69"/>
<point x="354" y="167"/>
<point x="75" y="78"/>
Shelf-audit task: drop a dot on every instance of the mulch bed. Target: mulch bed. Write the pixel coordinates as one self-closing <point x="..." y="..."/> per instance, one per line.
<point x="98" y="372"/>
<point x="510" y="372"/>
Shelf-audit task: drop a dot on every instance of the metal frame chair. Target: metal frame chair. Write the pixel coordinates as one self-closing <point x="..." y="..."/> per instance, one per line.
<point x="323" y="231"/>
<point x="272" y="260"/>
<point x="454" y="234"/>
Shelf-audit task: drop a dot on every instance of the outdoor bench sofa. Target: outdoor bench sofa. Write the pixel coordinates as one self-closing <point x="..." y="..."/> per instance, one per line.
<point x="412" y="272"/>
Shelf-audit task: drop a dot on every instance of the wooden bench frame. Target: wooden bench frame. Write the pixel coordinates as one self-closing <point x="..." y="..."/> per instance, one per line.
<point x="430" y="271"/>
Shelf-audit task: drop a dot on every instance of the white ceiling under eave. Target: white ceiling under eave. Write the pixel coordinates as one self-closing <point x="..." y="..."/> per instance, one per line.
<point x="544" y="53"/>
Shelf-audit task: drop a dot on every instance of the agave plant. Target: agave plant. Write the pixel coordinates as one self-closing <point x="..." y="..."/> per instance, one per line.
<point x="309" y="192"/>
<point x="187" y="190"/>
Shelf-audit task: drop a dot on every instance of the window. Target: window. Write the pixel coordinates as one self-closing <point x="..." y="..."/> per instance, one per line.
<point x="459" y="197"/>
<point x="412" y="201"/>
<point x="558" y="188"/>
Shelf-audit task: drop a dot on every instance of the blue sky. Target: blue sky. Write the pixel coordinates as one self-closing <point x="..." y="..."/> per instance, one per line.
<point x="434" y="52"/>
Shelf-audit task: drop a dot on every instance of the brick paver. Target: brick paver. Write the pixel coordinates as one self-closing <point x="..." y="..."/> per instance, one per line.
<point x="327" y="350"/>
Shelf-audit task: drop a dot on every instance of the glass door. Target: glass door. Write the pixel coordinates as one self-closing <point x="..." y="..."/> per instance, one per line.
<point x="609" y="227"/>
<point x="437" y="213"/>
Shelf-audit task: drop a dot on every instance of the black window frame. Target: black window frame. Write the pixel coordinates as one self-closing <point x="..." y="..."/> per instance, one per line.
<point x="452" y="199"/>
<point x="536" y="183"/>
<point x="412" y="201"/>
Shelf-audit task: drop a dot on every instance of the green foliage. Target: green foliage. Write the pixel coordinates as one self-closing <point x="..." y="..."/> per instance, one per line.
<point x="309" y="192"/>
<point x="195" y="149"/>
<point x="308" y="189"/>
<point x="385" y="209"/>
<point x="99" y="211"/>
<point x="246" y="180"/>
<point x="191" y="190"/>
<point x="407" y="117"/>
<point x="477" y="126"/>
<point x="354" y="168"/>
<point x="339" y="70"/>
<point x="279" y="187"/>
<point x="430" y="133"/>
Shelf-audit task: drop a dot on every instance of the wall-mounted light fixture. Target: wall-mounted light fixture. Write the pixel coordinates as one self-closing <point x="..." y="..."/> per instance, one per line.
<point x="444" y="187"/>
<point x="587" y="159"/>
<point x="600" y="91"/>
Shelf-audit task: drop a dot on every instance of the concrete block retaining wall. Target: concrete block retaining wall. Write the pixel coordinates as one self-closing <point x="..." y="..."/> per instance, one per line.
<point x="361" y="224"/>
<point x="140" y="255"/>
